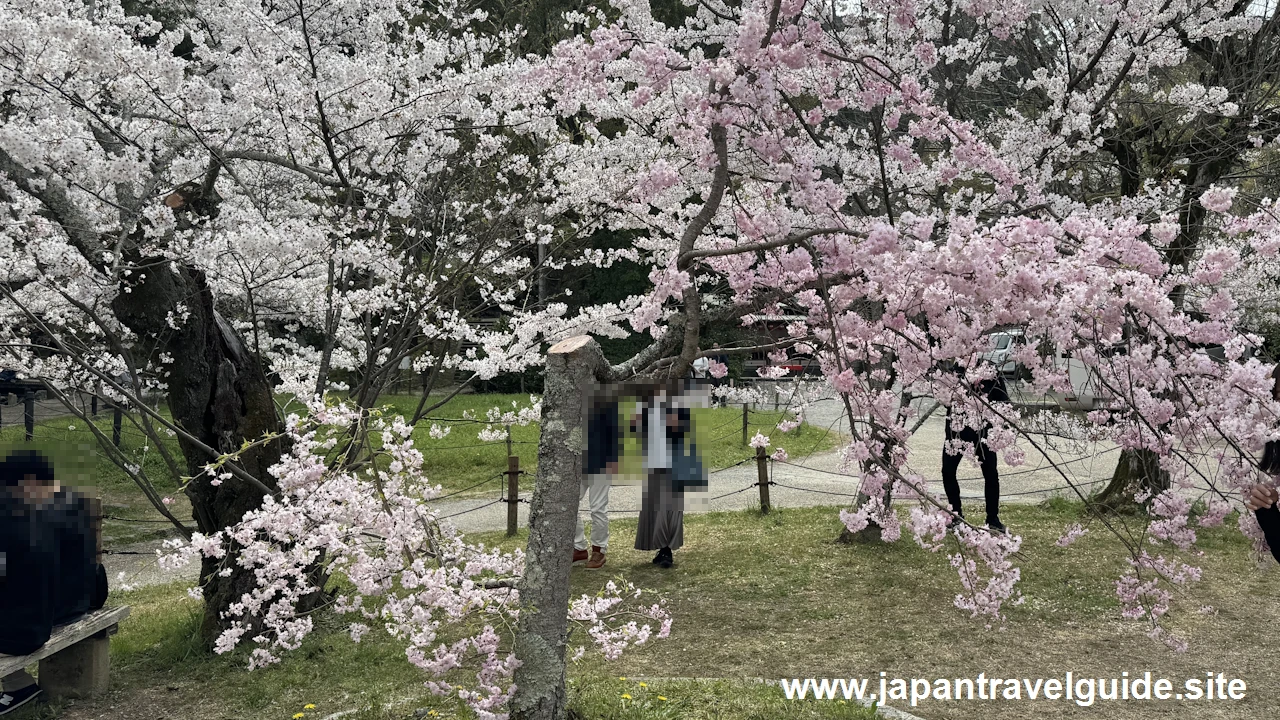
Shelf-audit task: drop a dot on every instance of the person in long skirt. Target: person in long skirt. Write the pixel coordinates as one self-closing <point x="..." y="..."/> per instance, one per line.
<point x="660" y="426"/>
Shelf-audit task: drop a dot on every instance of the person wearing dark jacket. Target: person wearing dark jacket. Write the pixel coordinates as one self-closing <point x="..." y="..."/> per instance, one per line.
<point x="1263" y="499"/>
<point x="994" y="390"/>
<point x="49" y="568"/>
<point x="600" y="464"/>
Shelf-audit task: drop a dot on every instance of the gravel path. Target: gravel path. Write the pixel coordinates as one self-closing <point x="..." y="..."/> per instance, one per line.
<point x="134" y="566"/>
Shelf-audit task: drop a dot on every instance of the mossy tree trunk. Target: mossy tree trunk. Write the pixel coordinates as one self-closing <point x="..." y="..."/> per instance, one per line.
<point x="219" y="395"/>
<point x="542" y="632"/>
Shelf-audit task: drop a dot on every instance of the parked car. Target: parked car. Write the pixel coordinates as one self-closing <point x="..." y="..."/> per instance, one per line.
<point x="796" y="365"/>
<point x="1003" y="345"/>
<point x="1087" y="392"/>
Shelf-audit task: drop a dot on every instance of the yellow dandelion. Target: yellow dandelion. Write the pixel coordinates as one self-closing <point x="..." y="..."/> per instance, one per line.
<point x="309" y="706"/>
<point x="432" y="713"/>
<point x="662" y="698"/>
<point x="625" y="696"/>
<point x="643" y="685"/>
<point x="622" y="678"/>
<point x="299" y="716"/>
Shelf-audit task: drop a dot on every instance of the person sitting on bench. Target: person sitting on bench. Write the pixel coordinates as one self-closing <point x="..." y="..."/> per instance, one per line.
<point x="49" y="568"/>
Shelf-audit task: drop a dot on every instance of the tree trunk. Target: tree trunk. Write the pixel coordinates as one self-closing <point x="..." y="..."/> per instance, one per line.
<point x="218" y="393"/>
<point x="544" y="589"/>
<point x="867" y="535"/>
<point x="872" y="533"/>
<point x="1136" y="470"/>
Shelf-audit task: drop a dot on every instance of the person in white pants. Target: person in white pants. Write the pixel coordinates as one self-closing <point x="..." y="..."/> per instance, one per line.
<point x="604" y="439"/>
<point x="595" y="495"/>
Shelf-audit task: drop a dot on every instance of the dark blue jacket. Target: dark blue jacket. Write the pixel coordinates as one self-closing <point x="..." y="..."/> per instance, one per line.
<point x="81" y="580"/>
<point x="51" y="574"/>
<point x="28" y="574"/>
<point x="604" y="438"/>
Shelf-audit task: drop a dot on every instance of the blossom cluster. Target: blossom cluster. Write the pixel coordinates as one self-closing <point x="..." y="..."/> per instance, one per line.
<point x="369" y="523"/>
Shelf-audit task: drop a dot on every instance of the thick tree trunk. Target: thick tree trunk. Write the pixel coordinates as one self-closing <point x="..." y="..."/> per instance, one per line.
<point x="1136" y="470"/>
<point x="544" y="589"/>
<point x="218" y="393"/>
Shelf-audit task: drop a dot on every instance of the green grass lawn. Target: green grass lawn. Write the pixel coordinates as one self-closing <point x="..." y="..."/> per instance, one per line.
<point x="764" y="597"/>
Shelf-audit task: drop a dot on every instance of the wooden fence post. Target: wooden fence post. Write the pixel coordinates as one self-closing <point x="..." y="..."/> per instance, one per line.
<point x="744" y="424"/>
<point x="116" y="418"/>
<point x="94" y="406"/>
<point x="762" y="474"/>
<point x="29" y="414"/>
<point x="513" y="494"/>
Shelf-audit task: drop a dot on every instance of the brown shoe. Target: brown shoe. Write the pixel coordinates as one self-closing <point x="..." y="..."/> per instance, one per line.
<point x="579" y="555"/>
<point x="597" y="558"/>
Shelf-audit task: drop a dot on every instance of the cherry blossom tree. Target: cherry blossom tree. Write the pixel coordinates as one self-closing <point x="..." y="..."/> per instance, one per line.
<point x="258" y="199"/>
<point x="325" y="189"/>
<point x="907" y="176"/>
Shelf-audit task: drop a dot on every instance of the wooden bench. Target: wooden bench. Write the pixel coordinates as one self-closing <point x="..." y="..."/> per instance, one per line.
<point x="75" y="661"/>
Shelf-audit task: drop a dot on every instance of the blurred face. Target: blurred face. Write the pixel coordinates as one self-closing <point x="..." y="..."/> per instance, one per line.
<point x="36" y="491"/>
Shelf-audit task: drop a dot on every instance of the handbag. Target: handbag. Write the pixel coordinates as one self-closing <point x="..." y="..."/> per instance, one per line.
<point x="687" y="472"/>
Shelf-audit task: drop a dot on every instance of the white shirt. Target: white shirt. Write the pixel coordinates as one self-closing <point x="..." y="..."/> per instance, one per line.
<point x="701" y="366"/>
<point x="658" y="452"/>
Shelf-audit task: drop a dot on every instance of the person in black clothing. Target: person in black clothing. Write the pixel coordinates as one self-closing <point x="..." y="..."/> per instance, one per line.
<point x="1263" y="499"/>
<point x="995" y="391"/>
<point x="600" y="465"/>
<point x="49" y="568"/>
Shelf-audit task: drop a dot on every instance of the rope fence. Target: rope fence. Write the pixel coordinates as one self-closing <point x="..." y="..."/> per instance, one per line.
<point x="509" y="494"/>
<point x="1089" y="485"/>
<point x="491" y="478"/>
<point x="505" y="495"/>
<point x="471" y="510"/>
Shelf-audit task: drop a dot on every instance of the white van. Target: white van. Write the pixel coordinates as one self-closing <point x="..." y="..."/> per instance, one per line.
<point x="1000" y="352"/>
<point x="1086" y="393"/>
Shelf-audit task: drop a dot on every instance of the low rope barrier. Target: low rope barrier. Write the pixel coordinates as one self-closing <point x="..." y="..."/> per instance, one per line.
<point x="141" y="520"/>
<point x="725" y="495"/>
<point x="489" y="479"/>
<point x="810" y="490"/>
<point x="1038" y="468"/>
<point x="471" y="510"/>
